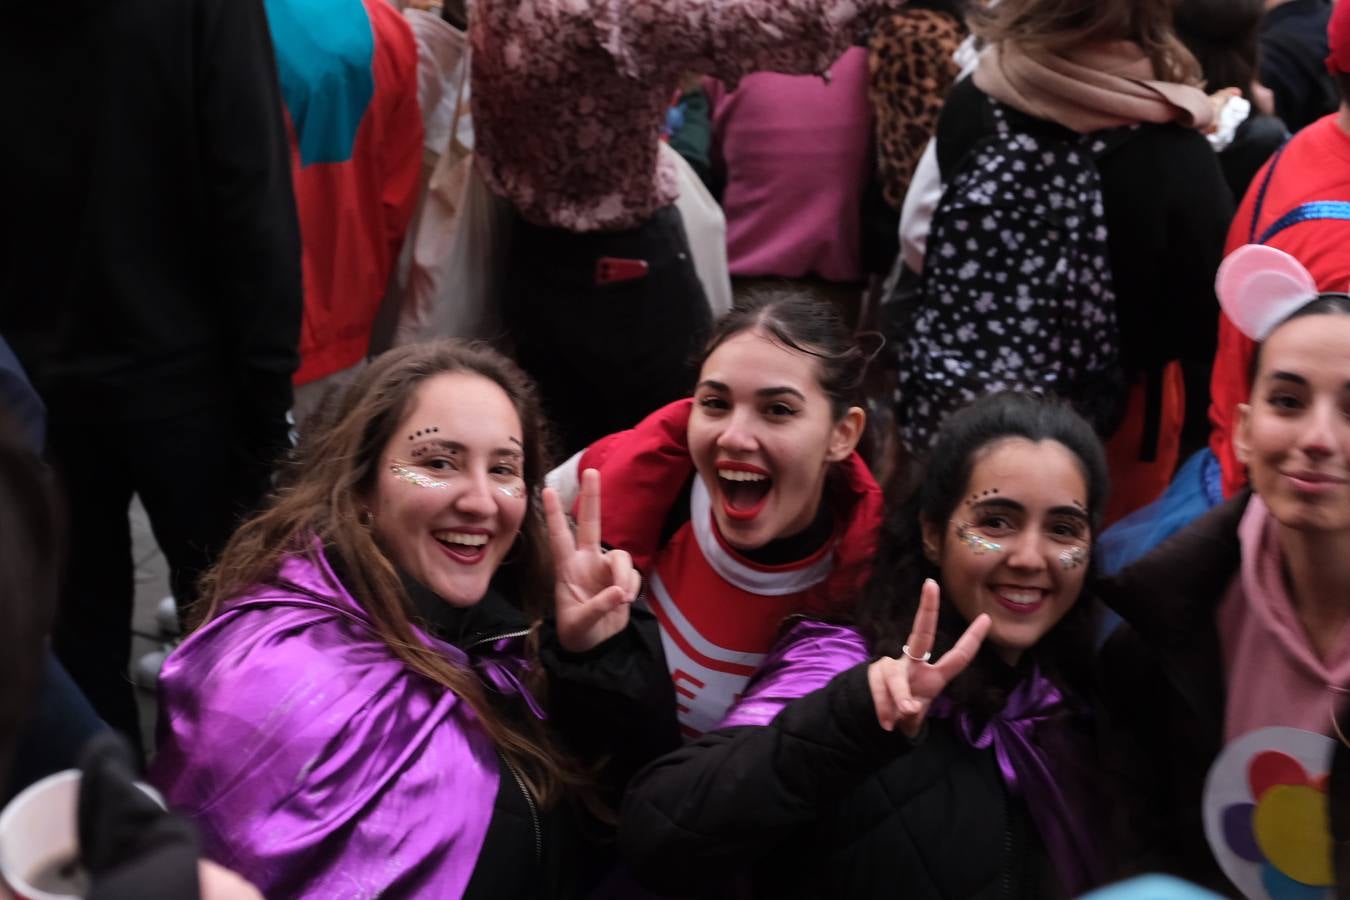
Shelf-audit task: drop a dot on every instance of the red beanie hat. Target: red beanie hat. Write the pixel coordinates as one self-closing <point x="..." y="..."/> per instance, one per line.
<point x="1338" y="37"/>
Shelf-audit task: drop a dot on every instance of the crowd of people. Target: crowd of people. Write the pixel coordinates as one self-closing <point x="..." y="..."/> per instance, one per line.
<point x="691" y="448"/>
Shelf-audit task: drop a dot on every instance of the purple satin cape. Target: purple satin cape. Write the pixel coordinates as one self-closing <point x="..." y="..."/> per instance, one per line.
<point x="804" y="660"/>
<point x="812" y="653"/>
<point x="1033" y="720"/>
<point x="312" y="760"/>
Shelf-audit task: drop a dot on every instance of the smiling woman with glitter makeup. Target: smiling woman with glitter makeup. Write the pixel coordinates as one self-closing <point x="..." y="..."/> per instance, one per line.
<point x="961" y="762"/>
<point x="360" y="705"/>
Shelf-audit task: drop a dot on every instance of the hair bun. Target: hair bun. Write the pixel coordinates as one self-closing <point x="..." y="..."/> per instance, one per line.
<point x="1259" y="287"/>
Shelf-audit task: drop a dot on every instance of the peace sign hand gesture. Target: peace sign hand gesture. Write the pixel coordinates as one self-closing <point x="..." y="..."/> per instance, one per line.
<point x="904" y="688"/>
<point x="594" y="588"/>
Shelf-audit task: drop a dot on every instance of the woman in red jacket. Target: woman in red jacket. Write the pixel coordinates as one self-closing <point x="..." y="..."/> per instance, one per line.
<point x="747" y="503"/>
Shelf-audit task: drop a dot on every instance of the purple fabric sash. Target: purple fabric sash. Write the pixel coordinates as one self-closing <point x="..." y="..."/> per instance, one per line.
<point x="1018" y="733"/>
<point x="313" y="760"/>
<point x="804" y="660"/>
<point x="500" y="666"/>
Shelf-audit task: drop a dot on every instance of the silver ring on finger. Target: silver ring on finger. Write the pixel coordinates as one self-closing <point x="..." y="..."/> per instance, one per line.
<point x="923" y="659"/>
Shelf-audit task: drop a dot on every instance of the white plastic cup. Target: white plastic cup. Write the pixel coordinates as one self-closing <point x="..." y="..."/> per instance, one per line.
<point x="38" y="827"/>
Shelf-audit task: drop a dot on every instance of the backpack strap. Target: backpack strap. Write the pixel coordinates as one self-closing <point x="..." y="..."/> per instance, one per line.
<point x="1308" y="212"/>
<point x="1261" y="194"/>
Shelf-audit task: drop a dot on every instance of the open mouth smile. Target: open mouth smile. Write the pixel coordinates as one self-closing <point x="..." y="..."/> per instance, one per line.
<point x="466" y="546"/>
<point x="744" y="488"/>
<point x="1020" y="600"/>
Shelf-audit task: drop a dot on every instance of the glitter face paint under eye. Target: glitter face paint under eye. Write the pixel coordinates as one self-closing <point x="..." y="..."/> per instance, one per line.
<point x="412" y="476"/>
<point x="514" y="491"/>
<point x="1073" y="558"/>
<point x="977" y="544"/>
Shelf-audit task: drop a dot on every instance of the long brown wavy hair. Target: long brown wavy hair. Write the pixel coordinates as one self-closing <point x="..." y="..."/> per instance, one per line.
<point x="327" y="488"/>
<point x="1055" y="26"/>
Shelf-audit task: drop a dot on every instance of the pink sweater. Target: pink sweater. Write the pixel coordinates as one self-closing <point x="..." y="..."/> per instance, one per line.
<point x="796" y="151"/>
<point x="1274" y="675"/>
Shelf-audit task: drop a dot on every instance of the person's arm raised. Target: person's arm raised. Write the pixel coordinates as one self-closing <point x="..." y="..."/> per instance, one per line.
<point x="903" y="689"/>
<point x="700" y="814"/>
<point x="731" y="38"/>
<point x="595" y="588"/>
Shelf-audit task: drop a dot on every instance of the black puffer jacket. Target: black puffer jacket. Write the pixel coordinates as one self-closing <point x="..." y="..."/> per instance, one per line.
<point x="821" y="802"/>
<point x="1164" y="683"/>
<point x="612" y="709"/>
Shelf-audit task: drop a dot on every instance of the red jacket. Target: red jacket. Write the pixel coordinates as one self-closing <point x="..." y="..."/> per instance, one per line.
<point x="1315" y="165"/>
<point x="355" y="203"/>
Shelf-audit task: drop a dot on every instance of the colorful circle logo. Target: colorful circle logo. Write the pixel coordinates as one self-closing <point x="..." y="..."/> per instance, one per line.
<point x="1266" y="814"/>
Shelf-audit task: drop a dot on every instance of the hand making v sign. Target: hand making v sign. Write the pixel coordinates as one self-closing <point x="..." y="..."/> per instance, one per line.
<point x="594" y="587"/>
<point x="904" y="688"/>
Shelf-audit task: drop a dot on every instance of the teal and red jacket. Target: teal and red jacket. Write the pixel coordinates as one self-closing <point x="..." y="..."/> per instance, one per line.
<point x="348" y="71"/>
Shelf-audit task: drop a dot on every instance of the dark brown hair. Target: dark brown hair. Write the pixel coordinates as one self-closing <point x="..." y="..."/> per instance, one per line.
<point x="1223" y="35"/>
<point x="808" y="325"/>
<point x="1055" y="26"/>
<point x="886" y="612"/>
<point x="327" y="489"/>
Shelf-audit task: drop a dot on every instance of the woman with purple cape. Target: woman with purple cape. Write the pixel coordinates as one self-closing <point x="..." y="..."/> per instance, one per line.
<point x="932" y="749"/>
<point x="360" y="710"/>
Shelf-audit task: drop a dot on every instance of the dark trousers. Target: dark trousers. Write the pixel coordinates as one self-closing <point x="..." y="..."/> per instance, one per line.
<point x="181" y="469"/>
<point x="605" y="355"/>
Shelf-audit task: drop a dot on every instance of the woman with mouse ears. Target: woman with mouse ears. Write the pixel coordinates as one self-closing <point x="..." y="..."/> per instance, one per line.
<point x="360" y="709"/>
<point x="1242" y="620"/>
<point x="747" y="503"/>
<point x="942" y="745"/>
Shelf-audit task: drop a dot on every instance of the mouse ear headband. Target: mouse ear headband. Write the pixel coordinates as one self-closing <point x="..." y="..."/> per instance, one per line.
<point x="1259" y="287"/>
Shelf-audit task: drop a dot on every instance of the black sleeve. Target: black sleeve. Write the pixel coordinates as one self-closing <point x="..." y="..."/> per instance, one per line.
<point x="1282" y="74"/>
<point x="715" y="805"/>
<point x="613" y="703"/>
<point x="254" y="246"/>
<point x="1256" y="141"/>
<point x="1201" y="210"/>
<point x="1137" y="823"/>
<point x="1168" y="209"/>
<point x="1156" y="756"/>
<point x="1292" y="67"/>
<point x="964" y="120"/>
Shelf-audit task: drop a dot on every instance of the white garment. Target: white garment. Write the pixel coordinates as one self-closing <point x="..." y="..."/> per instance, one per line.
<point x="442" y="65"/>
<point x="1234" y="112"/>
<point x="916" y="213"/>
<point x="925" y="188"/>
<point x="706" y="228"/>
<point x="451" y="261"/>
<point x="443" y="98"/>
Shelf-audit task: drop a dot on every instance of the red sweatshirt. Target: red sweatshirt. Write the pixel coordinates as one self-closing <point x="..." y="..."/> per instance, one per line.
<point x="1315" y="165"/>
<point x="720" y="612"/>
<point x="355" y="132"/>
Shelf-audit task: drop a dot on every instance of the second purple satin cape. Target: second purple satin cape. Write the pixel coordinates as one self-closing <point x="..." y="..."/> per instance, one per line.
<point x="314" y="762"/>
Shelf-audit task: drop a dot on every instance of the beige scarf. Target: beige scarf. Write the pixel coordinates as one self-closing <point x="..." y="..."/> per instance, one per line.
<point x="1087" y="89"/>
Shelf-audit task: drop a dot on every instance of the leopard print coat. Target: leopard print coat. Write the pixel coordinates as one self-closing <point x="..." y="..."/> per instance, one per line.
<point x="911" y="69"/>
